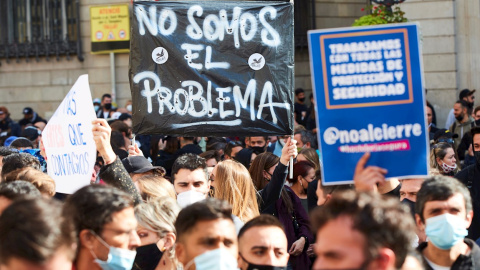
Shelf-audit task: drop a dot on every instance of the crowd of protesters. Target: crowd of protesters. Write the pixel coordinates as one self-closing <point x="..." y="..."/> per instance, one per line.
<point x="164" y="202"/>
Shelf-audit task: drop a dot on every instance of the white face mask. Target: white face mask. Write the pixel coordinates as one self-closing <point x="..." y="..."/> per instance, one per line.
<point x="447" y="168"/>
<point x="129" y="107"/>
<point x="192" y="196"/>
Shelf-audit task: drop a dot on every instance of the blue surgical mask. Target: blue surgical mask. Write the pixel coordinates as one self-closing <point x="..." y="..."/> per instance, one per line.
<point x="96" y="107"/>
<point x="444" y="231"/>
<point x="217" y="259"/>
<point x="118" y="258"/>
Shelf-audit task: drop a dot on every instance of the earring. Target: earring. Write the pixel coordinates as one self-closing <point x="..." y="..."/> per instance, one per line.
<point x="163" y="249"/>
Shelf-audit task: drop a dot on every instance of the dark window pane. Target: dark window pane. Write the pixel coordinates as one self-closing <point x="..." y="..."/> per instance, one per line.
<point x="36" y="28"/>
<point x="304" y="21"/>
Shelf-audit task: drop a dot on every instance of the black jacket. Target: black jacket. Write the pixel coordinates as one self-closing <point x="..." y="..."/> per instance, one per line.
<point x="188" y="149"/>
<point x="470" y="177"/>
<point x="117" y="176"/>
<point x="11" y="127"/>
<point x="36" y="118"/>
<point x="463" y="262"/>
<point x="272" y="191"/>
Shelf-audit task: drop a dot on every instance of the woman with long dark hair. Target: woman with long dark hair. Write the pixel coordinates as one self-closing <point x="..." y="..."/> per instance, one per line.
<point x="303" y="174"/>
<point x="288" y="208"/>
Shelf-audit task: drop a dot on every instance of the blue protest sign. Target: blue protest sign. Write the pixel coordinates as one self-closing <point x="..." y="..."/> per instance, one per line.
<point x="368" y="87"/>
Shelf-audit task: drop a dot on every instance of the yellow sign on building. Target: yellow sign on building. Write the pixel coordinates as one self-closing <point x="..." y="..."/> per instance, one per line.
<point x="110" y="28"/>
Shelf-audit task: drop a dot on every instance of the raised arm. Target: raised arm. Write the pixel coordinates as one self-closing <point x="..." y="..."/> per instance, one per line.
<point x="271" y="192"/>
<point x="112" y="172"/>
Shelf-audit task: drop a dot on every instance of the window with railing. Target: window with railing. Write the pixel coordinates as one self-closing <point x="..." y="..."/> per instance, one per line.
<point x="31" y="29"/>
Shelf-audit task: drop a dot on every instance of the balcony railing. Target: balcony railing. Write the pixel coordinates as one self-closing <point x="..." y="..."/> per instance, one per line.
<point x="31" y="29"/>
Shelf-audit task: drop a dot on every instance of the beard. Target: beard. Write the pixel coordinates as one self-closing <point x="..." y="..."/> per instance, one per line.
<point x="460" y="117"/>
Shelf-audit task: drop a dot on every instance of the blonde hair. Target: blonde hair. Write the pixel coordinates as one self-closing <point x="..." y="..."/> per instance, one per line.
<point x="152" y="186"/>
<point x="159" y="215"/>
<point x="234" y="185"/>
<point x="42" y="181"/>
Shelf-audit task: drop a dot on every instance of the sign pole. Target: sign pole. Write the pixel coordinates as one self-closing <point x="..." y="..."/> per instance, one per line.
<point x="291" y="158"/>
<point x="290" y="176"/>
<point x="112" y="76"/>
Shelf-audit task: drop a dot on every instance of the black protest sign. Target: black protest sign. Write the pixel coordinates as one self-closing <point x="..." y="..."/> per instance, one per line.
<point x="212" y="68"/>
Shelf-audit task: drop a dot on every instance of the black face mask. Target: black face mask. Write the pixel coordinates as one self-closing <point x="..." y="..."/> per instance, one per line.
<point x="264" y="267"/>
<point x="252" y="266"/>
<point x="477" y="157"/>
<point x="411" y="205"/>
<point x="301" y="99"/>
<point x="258" y="149"/>
<point x="108" y="106"/>
<point x="148" y="257"/>
<point x="460" y="117"/>
<point x="470" y="105"/>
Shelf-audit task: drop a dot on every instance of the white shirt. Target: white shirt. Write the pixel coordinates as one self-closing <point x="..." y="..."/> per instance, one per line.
<point x="450" y="119"/>
<point x="436" y="266"/>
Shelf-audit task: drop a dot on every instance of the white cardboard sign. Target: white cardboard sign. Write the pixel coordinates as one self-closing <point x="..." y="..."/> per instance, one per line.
<point x="68" y="139"/>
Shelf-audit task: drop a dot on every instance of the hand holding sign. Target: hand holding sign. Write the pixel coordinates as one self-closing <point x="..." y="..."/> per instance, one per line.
<point x="133" y="150"/>
<point x="365" y="179"/>
<point x="101" y="135"/>
<point x="289" y="150"/>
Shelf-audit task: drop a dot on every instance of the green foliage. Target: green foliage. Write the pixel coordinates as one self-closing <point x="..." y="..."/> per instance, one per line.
<point x="380" y="15"/>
